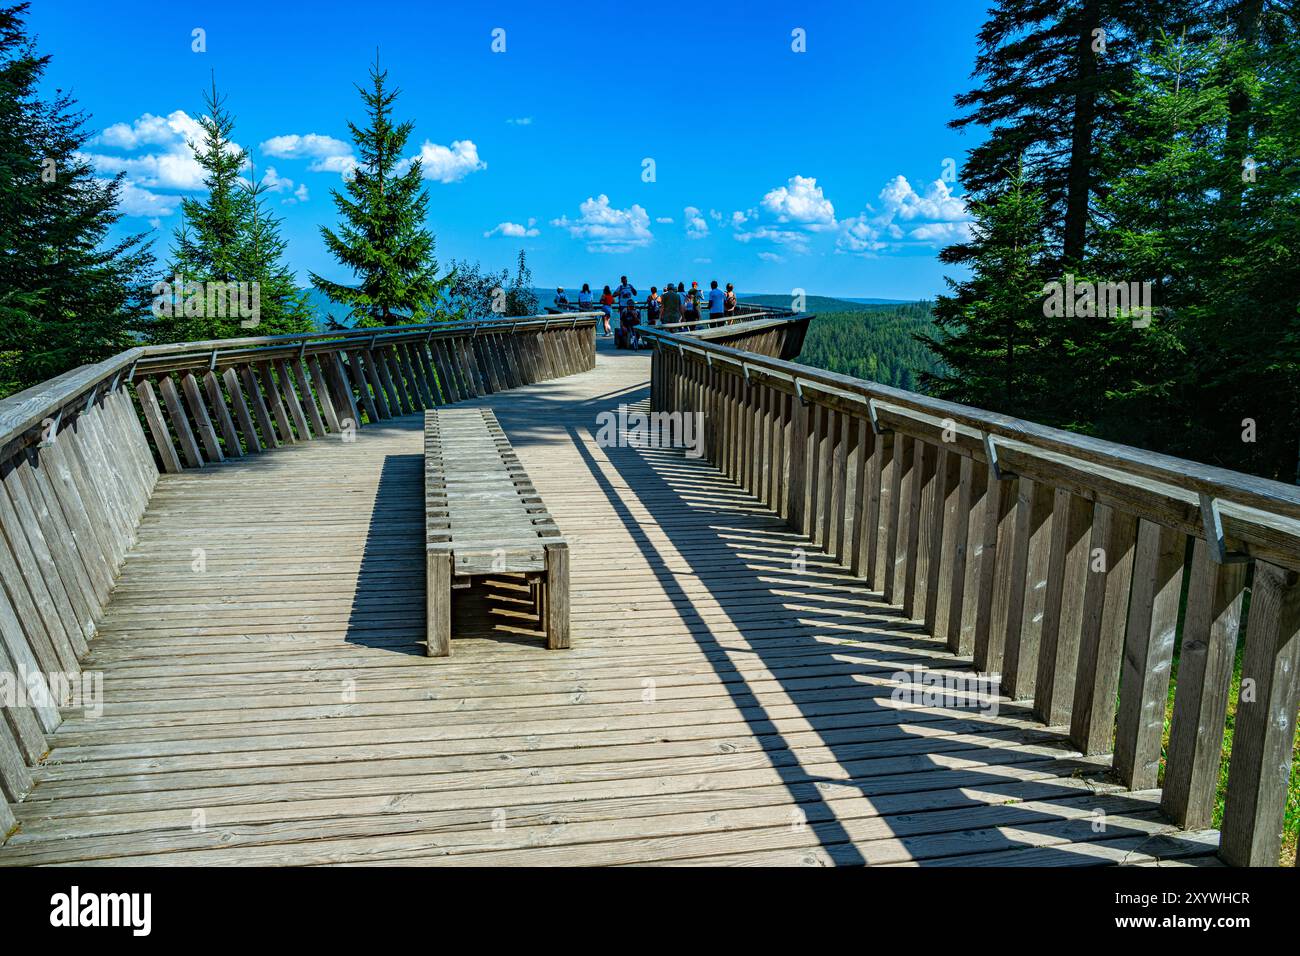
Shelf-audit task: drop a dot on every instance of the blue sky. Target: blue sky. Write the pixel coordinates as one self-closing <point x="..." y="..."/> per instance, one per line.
<point x="822" y="170"/>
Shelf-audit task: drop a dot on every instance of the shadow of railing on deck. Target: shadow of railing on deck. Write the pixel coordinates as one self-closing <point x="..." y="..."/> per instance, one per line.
<point x="781" y="634"/>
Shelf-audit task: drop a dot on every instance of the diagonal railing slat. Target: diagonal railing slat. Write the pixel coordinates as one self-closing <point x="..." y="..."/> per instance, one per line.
<point x="1054" y="559"/>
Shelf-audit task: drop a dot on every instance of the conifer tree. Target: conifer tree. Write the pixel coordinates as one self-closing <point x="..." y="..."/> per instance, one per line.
<point x="69" y="294"/>
<point x="227" y="236"/>
<point x="381" y="238"/>
<point x="994" y="341"/>
<point x="1048" y="70"/>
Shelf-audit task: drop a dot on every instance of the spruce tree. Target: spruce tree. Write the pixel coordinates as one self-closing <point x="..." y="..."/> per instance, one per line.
<point x="69" y="295"/>
<point x="1216" y="376"/>
<point x="995" y="344"/>
<point x="1048" y="70"/>
<point x="381" y="236"/>
<point x="227" y="236"/>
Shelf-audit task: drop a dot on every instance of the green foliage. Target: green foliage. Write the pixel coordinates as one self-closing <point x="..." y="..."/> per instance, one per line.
<point x="226" y="236"/>
<point x="68" y="296"/>
<point x="877" y="343"/>
<point x="994" y="341"/>
<point x="520" y="297"/>
<point x="1194" y="191"/>
<point x="1048" y="72"/>
<point x="381" y="238"/>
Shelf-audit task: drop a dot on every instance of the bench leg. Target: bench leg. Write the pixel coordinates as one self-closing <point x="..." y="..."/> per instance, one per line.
<point x="557" y="596"/>
<point x="437" y="614"/>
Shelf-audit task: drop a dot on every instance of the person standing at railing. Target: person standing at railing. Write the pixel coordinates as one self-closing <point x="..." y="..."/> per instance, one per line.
<point x="729" y="301"/>
<point x="671" y="305"/>
<point x="626" y="292"/>
<point x="717" y="301"/>
<point x="607" y="306"/>
<point x="652" y="306"/>
<point x="690" y="302"/>
<point x="584" y="298"/>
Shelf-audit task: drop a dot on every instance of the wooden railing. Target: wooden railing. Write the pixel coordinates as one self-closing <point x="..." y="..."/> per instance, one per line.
<point x="79" y="461"/>
<point x="76" y="473"/>
<point x="1069" y="565"/>
<point x="208" y="401"/>
<point x="774" y="335"/>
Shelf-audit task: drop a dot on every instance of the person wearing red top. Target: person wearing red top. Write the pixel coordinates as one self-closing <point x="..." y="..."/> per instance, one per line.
<point x="607" y="306"/>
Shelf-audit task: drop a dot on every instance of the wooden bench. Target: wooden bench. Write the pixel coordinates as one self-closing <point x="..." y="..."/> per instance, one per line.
<point x="483" y="517"/>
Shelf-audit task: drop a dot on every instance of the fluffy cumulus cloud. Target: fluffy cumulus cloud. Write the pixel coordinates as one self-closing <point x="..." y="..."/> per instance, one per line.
<point x="937" y="204"/>
<point x="273" y="182"/>
<point x="160" y="158"/>
<point x="328" y="155"/>
<point x="933" y="218"/>
<point x="797" y="241"/>
<point x="696" y="226"/>
<point x="153" y="152"/>
<point x="607" y="228"/>
<point x="514" y="230"/>
<point x="802" y="202"/>
<point x="444" y="164"/>
<point x="136" y="201"/>
<point x="449" y="164"/>
<point x="788" y="216"/>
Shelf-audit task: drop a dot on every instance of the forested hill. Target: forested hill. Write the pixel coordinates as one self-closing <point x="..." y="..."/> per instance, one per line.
<point x="870" y="341"/>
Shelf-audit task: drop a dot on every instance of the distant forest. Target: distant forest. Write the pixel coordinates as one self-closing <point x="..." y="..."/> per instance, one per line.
<point x="870" y="341"/>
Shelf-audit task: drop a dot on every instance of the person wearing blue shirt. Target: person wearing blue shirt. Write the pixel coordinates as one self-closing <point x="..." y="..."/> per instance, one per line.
<point x="561" y="300"/>
<point x="717" y="301"/>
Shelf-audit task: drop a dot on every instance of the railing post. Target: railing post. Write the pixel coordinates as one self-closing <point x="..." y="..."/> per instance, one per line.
<point x="1148" y="653"/>
<point x="1260" y="769"/>
<point x="1210" y="626"/>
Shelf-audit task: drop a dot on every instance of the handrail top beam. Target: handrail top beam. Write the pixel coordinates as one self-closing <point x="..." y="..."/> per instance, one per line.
<point x="1222" y="483"/>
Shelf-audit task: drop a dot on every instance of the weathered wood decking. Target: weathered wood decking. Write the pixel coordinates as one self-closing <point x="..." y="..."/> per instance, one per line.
<point x="268" y="701"/>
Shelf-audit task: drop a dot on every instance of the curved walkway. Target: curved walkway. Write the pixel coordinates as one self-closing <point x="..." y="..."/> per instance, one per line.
<point x="267" y="700"/>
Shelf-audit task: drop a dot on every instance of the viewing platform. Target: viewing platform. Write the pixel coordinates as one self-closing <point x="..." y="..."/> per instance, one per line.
<point x="752" y="629"/>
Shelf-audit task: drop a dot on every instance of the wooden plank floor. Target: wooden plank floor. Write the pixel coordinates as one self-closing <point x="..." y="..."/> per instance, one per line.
<point x="267" y="701"/>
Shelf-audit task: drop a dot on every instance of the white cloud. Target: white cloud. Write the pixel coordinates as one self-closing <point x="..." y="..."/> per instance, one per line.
<point x="273" y="182"/>
<point x="938" y="203"/>
<point x="135" y="200"/>
<point x="797" y="241"/>
<point x="942" y="233"/>
<point x="608" y="229"/>
<point x="520" y="121"/>
<point x="300" y="193"/>
<point x="151" y="130"/>
<point x="801" y="201"/>
<point x="513" y="230"/>
<point x="172" y="167"/>
<point x="940" y="219"/>
<point x="771" y="257"/>
<point x="449" y="164"/>
<point x="859" y="236"/>
<point x="328" y="155"/>
<point x="696" y="227"/>
<point x="664" y="220"/>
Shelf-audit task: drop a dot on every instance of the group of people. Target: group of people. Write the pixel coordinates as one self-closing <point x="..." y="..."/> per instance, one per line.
<point x="676" y="304"/>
